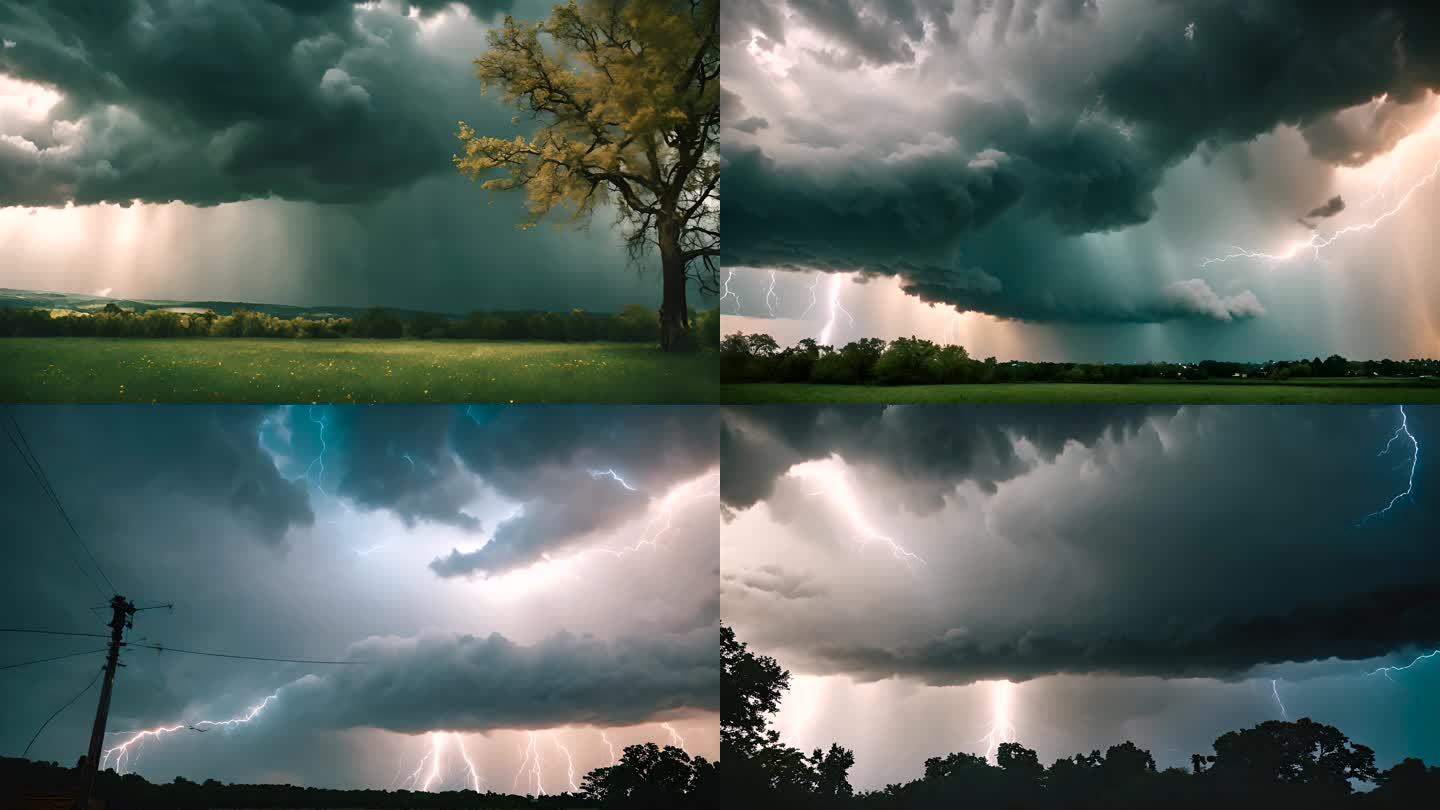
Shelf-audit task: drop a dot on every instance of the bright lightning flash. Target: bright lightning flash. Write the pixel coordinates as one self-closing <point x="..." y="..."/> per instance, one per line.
<point x="123" y="755"/>
<point x="835" y="308"/>
<point x="834" y="484"/>
<point x="1387" y="670"/>
<point x="1317" y="241"/>
<point x="675" y="738"/>
<point x="812" y="287"/>
<point x="729" y="293"/>
<point x="1275" y="690"/>
<point x="771" y="297"/>
<point x="611" y="474"/>
<point x="434" y="778"/>
<point x="1002" y="728"/>
<point x="1403" y="430"/>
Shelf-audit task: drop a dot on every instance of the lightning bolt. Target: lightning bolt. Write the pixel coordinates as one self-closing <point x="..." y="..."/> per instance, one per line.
<point x="474" y="775"/>
<point x="406" y="456"/>
<point x="1318" y="241"/>
<point x="366" y="552"/>
<point x="729" y="293"/>
<point x="839" y="490"/>
<point x="675" y="738"/>
<point x="835" y="308"/>
<point x="569" y="763"/>
<point x="123" y="755"/>
<point x="611" y="474"/>
<point x="812" y="287"/>
<point x="606" y="739"/>
<point x="664" y="519"/>
<point x="320" y="459"/>
<point x="1002" y="729"/>
<point x="771" y="294"/>
<point x="437" y="751"/>
<point x="530" y="768"/>
<point x="434" y="778"/>
<point x="1275" y="690"/>
<point x="1387" y="670"/>
<point x="1403" y="430"/>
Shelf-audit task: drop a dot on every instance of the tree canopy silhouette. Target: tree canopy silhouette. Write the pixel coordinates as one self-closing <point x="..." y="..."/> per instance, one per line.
<point x="1274" y="764"/>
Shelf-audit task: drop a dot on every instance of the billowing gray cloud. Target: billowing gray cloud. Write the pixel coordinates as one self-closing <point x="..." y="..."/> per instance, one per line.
<point x="1361" y="627"/>
<point x="468" y="683"/>
<point x="271" y="541"/>
<point x="1194" y="542"/>
<point x="1067" y="126"/>
<point x="575" y="472"/>
<point x="927" y="446"/>
<point x="206" y="455"/>
<point x="166" y="101"/>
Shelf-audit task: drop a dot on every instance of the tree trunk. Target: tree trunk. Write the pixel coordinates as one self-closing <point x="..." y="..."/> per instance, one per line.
<point x="674" y="314"/>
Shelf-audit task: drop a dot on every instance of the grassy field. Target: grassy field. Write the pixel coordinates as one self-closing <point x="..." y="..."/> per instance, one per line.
<point x="1247" y="392"/>
<point x="349" y="370"/>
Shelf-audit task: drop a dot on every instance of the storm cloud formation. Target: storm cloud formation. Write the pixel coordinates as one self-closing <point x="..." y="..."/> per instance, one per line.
<point x="209" y="104"/>
<point x="1198" y="542"/>
<point x="309" y="533"/>
<point x="927" y="447"/>
<point x="465" y="683"/>
<point x="1016" y="139"/>
<point x="282" y="151"/>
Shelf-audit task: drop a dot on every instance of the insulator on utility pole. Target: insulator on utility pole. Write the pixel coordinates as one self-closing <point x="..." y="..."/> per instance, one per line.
<point x="122" y="619"/>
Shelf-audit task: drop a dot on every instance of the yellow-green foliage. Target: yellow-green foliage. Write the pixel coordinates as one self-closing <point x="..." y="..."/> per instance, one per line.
<point x="618" y="96"/>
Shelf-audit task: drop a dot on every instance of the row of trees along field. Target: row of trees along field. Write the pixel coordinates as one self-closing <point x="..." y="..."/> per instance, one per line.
<point x="633" y="323"/>
<point x="647" y="777"/>
<point x="915" y="361"/>
<point x="1275" y="764"/>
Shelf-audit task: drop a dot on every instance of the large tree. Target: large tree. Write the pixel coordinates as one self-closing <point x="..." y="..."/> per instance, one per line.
<point x="628" y="100"/>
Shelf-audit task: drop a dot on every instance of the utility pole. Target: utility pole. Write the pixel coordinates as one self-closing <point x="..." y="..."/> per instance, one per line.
<point x="123" y="609"/>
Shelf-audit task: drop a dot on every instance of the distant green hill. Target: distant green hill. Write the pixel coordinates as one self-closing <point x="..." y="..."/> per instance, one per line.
<point x="43" y="299"/>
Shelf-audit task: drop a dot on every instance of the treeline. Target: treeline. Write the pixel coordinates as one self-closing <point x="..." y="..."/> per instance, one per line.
<point x="915" y="361"/>
<point x="647" y="777"/>
<point x="1275" y="764"/>
<point x="634" y="323"/>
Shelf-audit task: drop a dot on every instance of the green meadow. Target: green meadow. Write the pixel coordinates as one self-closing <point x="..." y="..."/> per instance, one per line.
<point x="258" y="370"/>
<point x="1338" y="391"/>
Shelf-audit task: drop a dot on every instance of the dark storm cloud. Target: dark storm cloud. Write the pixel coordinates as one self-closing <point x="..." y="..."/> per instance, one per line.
<point x="559" y="464"/>
<point x="1198" y="542"/>
<point x="188" y="453"/>
<point x="1361" y="627"/>
<point x="469" y="683"/>
<point x="556" y="462"/>
<point x="1022" y="179"/>
<point x="398" y="458"/>
<point x="1329" y="208"/>
<point x="167" y="100"/>
<point x="931" y="448"/>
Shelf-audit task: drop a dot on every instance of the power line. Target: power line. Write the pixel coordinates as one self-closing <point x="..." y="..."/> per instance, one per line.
<point x="43" y="726"/>
<point x="38" y="470"/>
<point x="244" y="657"/>
<point x="53" y="658"/>
<point x="163" y="648"/>
<point x="33" y="472"/>
<point x="51" y="632"/>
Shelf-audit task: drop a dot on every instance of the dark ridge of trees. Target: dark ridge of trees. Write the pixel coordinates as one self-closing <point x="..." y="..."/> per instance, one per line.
<point x="647" y="777"/>
<point x="1272" y="765"/>
<point x="634" y="323"/>
<point x="915" y="361"/>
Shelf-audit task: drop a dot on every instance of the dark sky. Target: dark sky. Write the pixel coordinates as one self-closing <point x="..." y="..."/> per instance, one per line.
<point x="285" y="151"/>
<point x="1060" y="170"/>
<point x="495" y="576"/>
<point x="1132" y="573"/>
